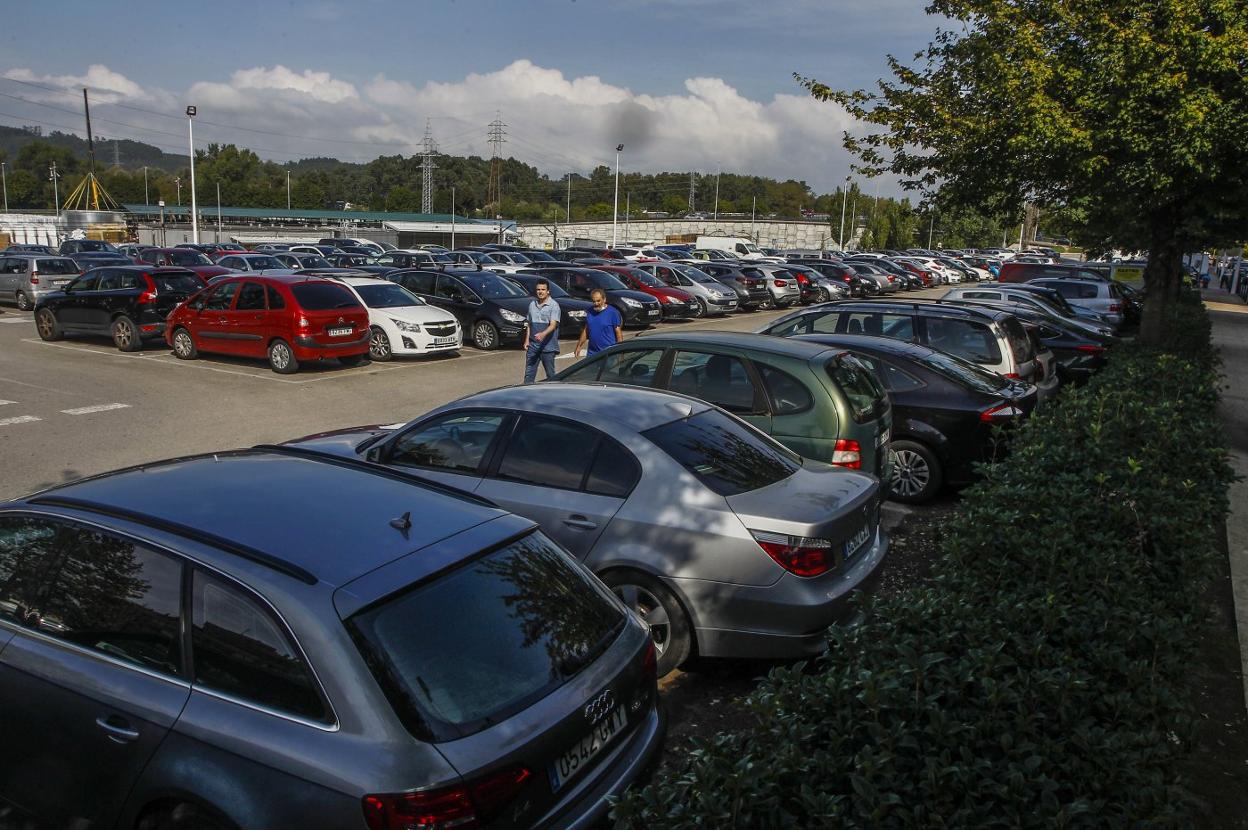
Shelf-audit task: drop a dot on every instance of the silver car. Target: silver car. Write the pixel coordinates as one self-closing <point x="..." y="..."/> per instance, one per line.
<point x="782" y="285"/>
<point x="723" y="540"/>
<point x="25" y="278"/>
<point x="1006" y="294"/>
<point x="713" y="297"/>
<point x="1105" y="298"/>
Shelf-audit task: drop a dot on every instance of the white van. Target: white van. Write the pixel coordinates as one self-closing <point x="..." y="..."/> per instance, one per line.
<point x="737" y="246"/>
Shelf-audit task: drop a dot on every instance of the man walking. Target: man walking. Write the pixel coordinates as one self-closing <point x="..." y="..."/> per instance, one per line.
<point x="603" y="325"/>
<point x="541" y="333"/>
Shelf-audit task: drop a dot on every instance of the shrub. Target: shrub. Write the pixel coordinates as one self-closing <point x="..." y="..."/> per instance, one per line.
<point x="1038" y="679"/>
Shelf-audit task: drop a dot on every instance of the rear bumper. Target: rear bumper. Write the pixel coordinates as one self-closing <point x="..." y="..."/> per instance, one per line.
<point x="308" y="348"/>
<point x="787" y="619"/>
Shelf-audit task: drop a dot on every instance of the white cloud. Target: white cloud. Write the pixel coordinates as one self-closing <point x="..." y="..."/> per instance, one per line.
<point x="555" y="122"/>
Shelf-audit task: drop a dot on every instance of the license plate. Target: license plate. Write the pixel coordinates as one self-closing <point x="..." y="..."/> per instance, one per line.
<point x="654" y="312"/>
<point x="443" y="341"/>
<point x="343" y="332"/>
<point x="578" y="757"/>
<point x="860" y="538"/>
<point x="60" y="282"/>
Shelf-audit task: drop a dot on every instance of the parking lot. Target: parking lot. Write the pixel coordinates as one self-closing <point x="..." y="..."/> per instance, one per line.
<point x="79" y="406"/>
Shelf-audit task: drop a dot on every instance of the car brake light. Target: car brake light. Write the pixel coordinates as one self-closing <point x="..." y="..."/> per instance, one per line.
<point x="847" y="453"/>
<point x="304" y="323"/>
<point x="147" y="297"/>
<point x="1013" y="376"/>
<point x="780" y="283"/>
<point x="461" y="807"/>
<point x="1088" y="349"/>
<point x="802" y="278"/>
<point x="799" y="555"/>
<point x="1115" y="308"/>
<point x="34" y="277"/>
<point x="1000" y="413"/>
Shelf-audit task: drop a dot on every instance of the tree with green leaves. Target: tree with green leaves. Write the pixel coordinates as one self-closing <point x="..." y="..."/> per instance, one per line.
<point x="1134" y="112"/>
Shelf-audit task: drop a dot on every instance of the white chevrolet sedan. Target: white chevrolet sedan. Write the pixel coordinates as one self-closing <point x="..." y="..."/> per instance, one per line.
<point x="401" y="322"/>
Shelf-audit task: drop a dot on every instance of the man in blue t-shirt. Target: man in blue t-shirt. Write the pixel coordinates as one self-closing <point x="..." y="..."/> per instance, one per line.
<point x="603" y="325"/>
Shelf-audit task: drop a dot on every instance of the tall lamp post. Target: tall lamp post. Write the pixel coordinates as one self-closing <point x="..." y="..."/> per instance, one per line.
<point x="56" y="196"/>
<point x="288" y="190"/>
<point x="190" y="130"/>
<point x="4" y="180"/>
<point x="844" y="195"/>
<point x="615" y="210"/>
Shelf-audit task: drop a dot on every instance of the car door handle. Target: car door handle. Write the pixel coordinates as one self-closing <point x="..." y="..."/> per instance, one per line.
<point x="118" y="729"/>
<point x="580" y="522"/>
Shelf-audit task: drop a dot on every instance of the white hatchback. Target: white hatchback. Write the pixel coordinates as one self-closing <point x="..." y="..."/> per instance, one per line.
<point x="401" y="322"/>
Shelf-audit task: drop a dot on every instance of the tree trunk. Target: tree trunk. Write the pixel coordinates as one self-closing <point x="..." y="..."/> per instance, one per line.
<point x="1162" y="279"/>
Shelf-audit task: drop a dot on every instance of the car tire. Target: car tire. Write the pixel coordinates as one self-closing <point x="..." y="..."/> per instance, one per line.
<point x="47" y="325"/>
<point x="126" y="335"/>
<point x="824" y="295"/>
<point x="661" y="611"/>
<point x="184" y="345"/>
<point x="23" y="302"/>
<point x="485" y="335"/>
<point x="916" y="473"/>
<point x="282" y="358"/>
<point x="352" y="359"/>
<point x="184" y="816"/>
<point x="379" y="346"/>
<point x="701" y="308"/>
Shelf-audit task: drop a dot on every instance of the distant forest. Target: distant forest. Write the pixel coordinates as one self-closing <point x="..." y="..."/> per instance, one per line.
<point x="393" y="183"/>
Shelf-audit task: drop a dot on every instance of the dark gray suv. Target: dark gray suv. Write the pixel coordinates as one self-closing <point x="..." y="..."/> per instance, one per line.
<point x="272" y="639"/>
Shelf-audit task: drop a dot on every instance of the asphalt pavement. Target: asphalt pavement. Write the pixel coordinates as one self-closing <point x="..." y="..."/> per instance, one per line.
<point x="1230" y="335"/>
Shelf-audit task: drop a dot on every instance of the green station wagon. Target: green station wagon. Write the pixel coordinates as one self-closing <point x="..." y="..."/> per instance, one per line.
<point x="817" y="400"/>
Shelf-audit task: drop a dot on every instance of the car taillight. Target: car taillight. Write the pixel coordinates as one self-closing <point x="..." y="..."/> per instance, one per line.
<point x="34" y="277"/>
<point x="1089" y="349"/>
<point x="1013" y="376"/>
<point x="799" y="555"/>
<point x="1115" y="308"/>
<point x="847" y="453"/>
<point x="781" y="283"/>
<point x="303" y="323"/>
<point x="147" y="297"/>
<point x="1000" y="412"/>
<point x="462" y="808"/>
<point x="802" y="278"/>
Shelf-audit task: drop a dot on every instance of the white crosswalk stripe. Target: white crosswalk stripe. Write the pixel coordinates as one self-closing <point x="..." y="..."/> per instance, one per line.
<point x="20" y="419"/>
<point x="6" y="403"/>
<point x="99" y="407"/>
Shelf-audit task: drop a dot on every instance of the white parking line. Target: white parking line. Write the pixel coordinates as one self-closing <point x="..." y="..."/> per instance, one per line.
<point x="4" y="403"/>
<point x="20" y="419"/>
<point x="18" y="320"/>
<point x="101" y="407"/>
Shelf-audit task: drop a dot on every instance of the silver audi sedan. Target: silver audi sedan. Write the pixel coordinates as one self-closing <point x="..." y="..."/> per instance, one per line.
<point x="725" y="542"/>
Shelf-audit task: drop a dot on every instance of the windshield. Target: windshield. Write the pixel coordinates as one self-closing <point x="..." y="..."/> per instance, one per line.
<point x="56" y="266"/>
<point x="725" y="454"/>
<point x="322" y="296"/>
<point x="530" y="283"/>
<point x="95" y="245"/>
<point x="387" y="295"/>
<point x="185" y="258"/>
<point x="866" y="396"/>
<point x="492" y="287"/>
<point x="313" y="261"/>
<point x="963" y="372"/>
<point x="528" y="617"/>
<point x="540" y="256"/>
<point x="177" y="283"/>
<point x="607" y="282"/>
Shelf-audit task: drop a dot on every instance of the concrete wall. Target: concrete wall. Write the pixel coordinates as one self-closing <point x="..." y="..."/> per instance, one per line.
<point x="768" y="233"/>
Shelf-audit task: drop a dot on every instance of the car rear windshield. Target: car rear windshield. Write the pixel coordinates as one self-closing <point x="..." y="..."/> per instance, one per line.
<point x="963" y="372"/>
<point x="487" y="639"/>
<point x="1020" y="343"/>
<point x="186" y="283"/>
<point x="725" y="454"/>
<point x="56" y="266"/>
<point x="492" y="286"/>
<point x="867" y="398"/>
<point x="188" y="257"/>
<point x="321" y="296"/>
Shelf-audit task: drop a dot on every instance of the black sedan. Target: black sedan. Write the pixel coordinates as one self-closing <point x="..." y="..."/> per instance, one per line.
<point x="1079" y="352"/>
<point x="944" y="411"/>
<point x="572" y="312"/>
<point x="636" y="307"/>
<point x="490" y="308"/>
<point x="859" y="286"/>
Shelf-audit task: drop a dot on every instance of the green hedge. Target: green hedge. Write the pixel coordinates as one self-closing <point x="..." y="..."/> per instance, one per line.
<point x="1038" y="679"/>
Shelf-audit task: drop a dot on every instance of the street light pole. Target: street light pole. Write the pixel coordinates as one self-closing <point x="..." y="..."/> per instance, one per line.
<point x="615" y="210"/>
<point x="452" y="218"/>
<point x="4" y="180"/>
<point x="190" y="129"/>
<point x="753" y="210"/>
<point x="288" y="190"/>
<point x="931" y="224"/>
<point x="56" y="197"/>
<point x="177" y="181"/>
<point x="218" y="239"/>
<point x="840" y="241"/>
<point x="715" y="214"/>
<point x="628" y="216"/>
<point x="147" y="201"/>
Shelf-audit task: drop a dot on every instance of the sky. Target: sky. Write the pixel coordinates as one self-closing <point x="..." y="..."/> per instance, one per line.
<point x="683" y="84"/>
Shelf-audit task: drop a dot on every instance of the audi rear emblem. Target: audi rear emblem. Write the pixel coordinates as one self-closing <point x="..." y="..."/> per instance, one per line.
<point x="599" y="707"/>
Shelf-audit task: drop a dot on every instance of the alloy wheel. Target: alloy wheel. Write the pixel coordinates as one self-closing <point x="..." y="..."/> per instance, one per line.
<point x="279" y="354"/>
<point x="47" y="324"/>
<point x="183" y="346"/>
<point x="651" y="611"/>
<point x="123" y="334"/>
<point x="379" y="345"/>
<point x="483" y="336"/>
<point x="23" y="302"/>
<point x="911" y="474"/>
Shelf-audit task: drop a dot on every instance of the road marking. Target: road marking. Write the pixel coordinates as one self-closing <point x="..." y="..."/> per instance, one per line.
<point x="20" y="419"/>
<point x="101" y="407"/>
<point x="16" y="319"/>
<point x="4" y="403"/>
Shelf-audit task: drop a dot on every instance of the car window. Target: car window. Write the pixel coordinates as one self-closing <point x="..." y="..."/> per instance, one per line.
<point x="896" y="326"/>
<point x="229" y="262"/>
<point x="239" y="649"/>
<point x="128" y="279"/>
<point x="716" y="378"/>
<point x="50" y="266"/>
<point x="110" y="280"/>
<point x="987" y="295"/>
<point x="418" y="283"/>
<point x="455" y="442"/>
<point x="788" y="395"/>
<point x="614" y="472"/>
<point x="890" y="377"/>
<point x="725" y="454"/>
<point x="186" y="283"/>
<point x="1016" y="336"/>
<point x="250" y="298"/>
<point x="274" y="297"/>
<point x="798" y="325"/>
<point x="867" y="398"/>
<point x="322" y="296"/>
<point x="548" y="453"/>
<point x="529" y="617"/>
<point x="968" y="339"/>
<point x="95" y="590"/>
<point x="449" y="289"/>
<point x="636" y="367"/>
<point x="86" y="282"/>
<point x="220" y="298"/>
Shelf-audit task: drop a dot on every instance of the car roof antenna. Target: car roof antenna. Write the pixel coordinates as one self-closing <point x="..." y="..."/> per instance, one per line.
<point x="403" y="523"/>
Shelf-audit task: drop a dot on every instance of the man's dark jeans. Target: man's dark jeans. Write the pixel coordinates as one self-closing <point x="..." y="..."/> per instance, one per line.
<point x="536" y="353"/>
